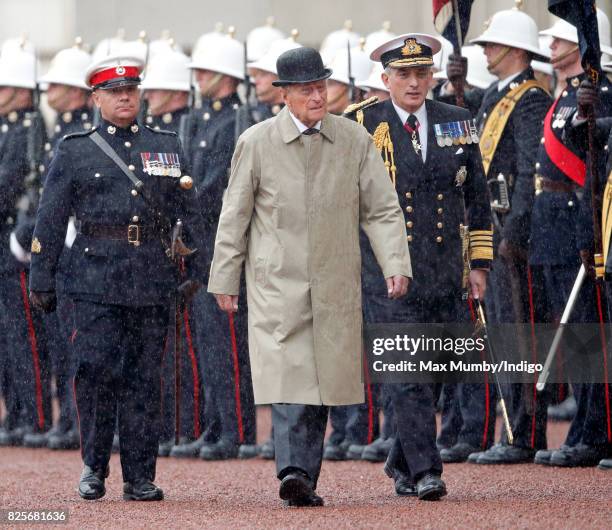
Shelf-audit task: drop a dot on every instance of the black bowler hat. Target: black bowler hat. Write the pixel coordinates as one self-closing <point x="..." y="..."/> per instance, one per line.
<point x="300" y="65"/>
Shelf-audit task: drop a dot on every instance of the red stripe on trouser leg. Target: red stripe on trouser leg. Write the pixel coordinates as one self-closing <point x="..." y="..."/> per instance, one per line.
<point x="533" y="352"/>
<point x="485" y="429"/>
<point x="196" y="377"/>
<point x="368" y="387"/>
<point x="604" y="348"/>
<point x="34" y="348"/>
<point x="236" y="377"/>
<point x="76" y="408"/>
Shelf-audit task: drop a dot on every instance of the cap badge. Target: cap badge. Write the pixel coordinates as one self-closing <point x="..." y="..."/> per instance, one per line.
<point x="120" y="70"/>
<point x="411" y="47"/>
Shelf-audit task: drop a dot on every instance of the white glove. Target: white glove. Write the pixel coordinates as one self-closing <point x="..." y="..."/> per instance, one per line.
<point x="18" y="251"/>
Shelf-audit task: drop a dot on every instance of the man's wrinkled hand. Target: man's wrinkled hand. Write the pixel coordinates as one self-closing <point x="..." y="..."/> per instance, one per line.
<point x="188" y="289"/>
<point x="227" y="302"/>
<point x="587" y="97"/>
<point x="456" y="68"/>
<point x="397" y="286"/>
<point x="45" y="301"/>
<point x="478" y="283"/>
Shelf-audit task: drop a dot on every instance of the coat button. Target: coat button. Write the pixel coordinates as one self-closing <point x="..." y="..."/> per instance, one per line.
<point x="440" y="210"/>
<point x="537" y="166"/>
<point x="440" y="196"/>
<point x="135" y="219"/>
<point x="408" y="195"/>
<point x="131" y="167"/>
<point x="128" y="144"/>
<point x="409" y="224"/>
<point x="409" y="209"/>
<point x="439" y="239"/>
<point x="439" y="225"/>
<point x="570" y="203"/>
<point x="409" y="238"/>
<point x="86" y="249"/>
<point x="97" y="175"/>
<point x="542" y="140"/>
<point x="134" y="193"/>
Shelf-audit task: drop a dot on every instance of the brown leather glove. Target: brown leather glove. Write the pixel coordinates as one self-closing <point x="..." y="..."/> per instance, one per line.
<point x="44" y="301"/>
<point x="511" y="252"/>
<point x="588" y="260"/>
<point x="456" y="68"/>
<point x="188" y="289"/>
<point x="587" y="97"/>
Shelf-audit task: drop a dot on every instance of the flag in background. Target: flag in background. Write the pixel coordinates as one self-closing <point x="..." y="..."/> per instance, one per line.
<point x="583" y="15"/>
<point x="444" y="19"/>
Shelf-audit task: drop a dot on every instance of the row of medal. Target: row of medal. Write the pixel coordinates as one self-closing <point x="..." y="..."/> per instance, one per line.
<point x="456" y="132"/>
<point x="161" y="164"/>
<point x="561" y="117"/>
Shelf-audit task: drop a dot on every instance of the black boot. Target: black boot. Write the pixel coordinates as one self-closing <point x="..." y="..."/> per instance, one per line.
<point x="91" y="484"/>
<point x="142" y="490"/>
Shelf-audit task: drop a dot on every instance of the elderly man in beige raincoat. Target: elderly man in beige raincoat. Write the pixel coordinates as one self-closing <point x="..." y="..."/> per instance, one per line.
<point x="301" y="186"/>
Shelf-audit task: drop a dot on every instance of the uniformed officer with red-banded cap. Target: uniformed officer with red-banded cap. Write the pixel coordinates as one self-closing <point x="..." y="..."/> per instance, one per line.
<point x="127" y="187"/>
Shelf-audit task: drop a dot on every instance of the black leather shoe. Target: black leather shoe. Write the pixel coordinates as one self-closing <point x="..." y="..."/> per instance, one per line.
<point x="605" y="464"/>
<point x="222" y="450"/>
<point x="430" y="487"/>
<point x="473" y="457"/>
<point x="578" y="456"/>
<point x="64" y="440"/>
<point x="37" y="440"/>
<point x="404" y="484"/>
<point x="296" y="490"/>
<point x="11" y="437"/>
<point x="188" y="450"/>
<point x="246" y="451"/>
<point x="457" y="453"/>
<point x="354" y="451"/>
<point x="335" y="452"/>
<point x="266" y="450"/>
<point x="142" y="490"/>
<point x="91" y="484"/>
<point x="164" y="448"/>
<point x="506" y="454"/>
<point x="378" y="450"/>
<point x="542" y="457"/>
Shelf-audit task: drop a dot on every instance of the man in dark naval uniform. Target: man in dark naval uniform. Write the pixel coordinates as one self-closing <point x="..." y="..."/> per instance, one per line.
<point x="435" y="165"/>
<point x="222" y="341"/>
<point x="125" y="184"/>
<point x="69" y="96"/>
<point x="510" y="120"/>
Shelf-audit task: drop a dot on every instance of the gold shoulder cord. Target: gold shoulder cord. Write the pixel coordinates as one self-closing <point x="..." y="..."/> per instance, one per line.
<point x="606" y="222"/>
<point x="382" y="141"/>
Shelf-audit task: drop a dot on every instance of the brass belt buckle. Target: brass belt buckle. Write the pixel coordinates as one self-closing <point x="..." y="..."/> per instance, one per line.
<point x="133" y="235"/>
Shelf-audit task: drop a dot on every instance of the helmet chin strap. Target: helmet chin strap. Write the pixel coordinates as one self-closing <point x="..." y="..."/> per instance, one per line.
<point x="499" y="58"/>
<point x="564" y="55"/>
<point x="8" y="102"/>
<point x="213" y="83"/>
<point x="160" y="108"/>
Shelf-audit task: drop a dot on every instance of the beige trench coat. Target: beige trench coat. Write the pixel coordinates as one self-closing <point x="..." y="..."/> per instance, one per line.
<point x="292" y="210"/>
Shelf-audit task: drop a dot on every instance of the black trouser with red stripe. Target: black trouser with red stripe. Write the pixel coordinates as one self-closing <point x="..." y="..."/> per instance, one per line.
<point x="222" y="347"/>
<point x="191" y="396"/>
<point x="27" y="363"/>
<point x="119" y="350"/>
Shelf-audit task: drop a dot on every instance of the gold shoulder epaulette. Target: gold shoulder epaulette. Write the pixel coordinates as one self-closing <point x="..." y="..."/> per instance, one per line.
<point x="384" y="144"/>
<point x="354" y="107"/>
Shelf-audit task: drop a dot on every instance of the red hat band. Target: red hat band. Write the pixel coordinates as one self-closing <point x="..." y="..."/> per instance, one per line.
<point x="116" y="72"/>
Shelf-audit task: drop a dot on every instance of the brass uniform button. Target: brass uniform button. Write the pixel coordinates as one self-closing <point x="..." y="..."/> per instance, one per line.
<point x="408" y="195"/>
<point x="128" y="144"/>
<point x="131" y="167"/>
<point x="409" y="224"/>
<point x="440" y="196"/>
<point x="439" y="239"/>
<point x="134" y="193"/>
<point x="409" y="238"/>
<point x="440" y="210"/>
<point x="217" y="106"/>
<point x="135" y="219"/>
<point x="409" y="209"/>
<point x="439" y="225"/>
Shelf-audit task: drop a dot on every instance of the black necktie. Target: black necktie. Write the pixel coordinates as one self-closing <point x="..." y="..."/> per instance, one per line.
<point x="412" y="126"/>
<point x="311" y="130"/>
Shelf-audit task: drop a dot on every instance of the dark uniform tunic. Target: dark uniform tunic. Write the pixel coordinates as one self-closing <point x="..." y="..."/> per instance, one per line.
<point x="24" y="360"/>
<point x="229" y="407"/>
<point x="120" y="279"/>
<point x="435" y="195"/>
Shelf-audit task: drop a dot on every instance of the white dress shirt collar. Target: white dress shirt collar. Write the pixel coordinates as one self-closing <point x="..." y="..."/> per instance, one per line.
<point x="301" y="127"/>
<point x="421" y="116"/>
